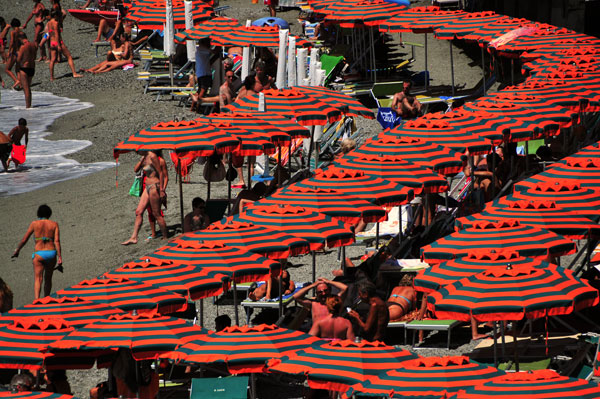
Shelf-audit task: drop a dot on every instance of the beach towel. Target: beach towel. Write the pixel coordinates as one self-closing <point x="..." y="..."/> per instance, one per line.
<point x="187" y="161"/>
<point x="388" y="118"/>
<point x="285" y="156"/>
<point x="18" y="154"/>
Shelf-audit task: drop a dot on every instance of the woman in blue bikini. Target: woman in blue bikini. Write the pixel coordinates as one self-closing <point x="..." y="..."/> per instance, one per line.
<point x="47" y="249"/>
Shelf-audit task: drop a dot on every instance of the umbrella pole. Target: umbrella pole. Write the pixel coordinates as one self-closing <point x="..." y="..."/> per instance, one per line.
<point x="377" y="236"/>
<point x="208" y="191"/>
<point x="235" y="307"/>
<point x="516" y="346"/>
<point x="290" y="159"/>
<point x="201" y="319"/>
<point x="180" y="193"/>
<point x="483" y="68"/>
<point x="280" y="292"/>
<point x="527" y="155"/>
<point x="495" y="344"/>
<point x="503" y="337"/>
<point x="314" y="265"/>
<point x="451" y="66"/>
<point x="279" y="166"/>
<point x="400" y="229"/>
<point x="343" y="259"/>
<point x="512" y="71"/>
<point x="249" y="185"/>
<point x="252" y="386"/>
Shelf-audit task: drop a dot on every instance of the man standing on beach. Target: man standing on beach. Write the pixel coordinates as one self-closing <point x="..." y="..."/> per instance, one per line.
<point x="26" y="66"/>
<point x="5" y="148"/>
<point x="15" y="136"/>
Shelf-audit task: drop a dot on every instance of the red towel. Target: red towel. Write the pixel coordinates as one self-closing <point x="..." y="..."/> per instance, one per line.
<point x="18" y="154"/>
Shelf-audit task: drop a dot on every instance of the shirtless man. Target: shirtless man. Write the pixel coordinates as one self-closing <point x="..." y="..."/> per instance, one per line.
<point x="26" y="66"/>
<point x="317" y="307"/>
<point x="373" y="329"/>
<point x="249" y="87"/>
<point x="13" y="50"/>
<point x="226" y="90"/>
<point x="196" y="219"/>
<point x="5" y="148"/>
<point x="333" y="326"/>
<point x="405" y="104"/>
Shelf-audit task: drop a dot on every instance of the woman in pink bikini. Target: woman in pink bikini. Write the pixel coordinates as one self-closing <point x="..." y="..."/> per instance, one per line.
<point x="57" y="45"/>
<point x="47" y="249"/>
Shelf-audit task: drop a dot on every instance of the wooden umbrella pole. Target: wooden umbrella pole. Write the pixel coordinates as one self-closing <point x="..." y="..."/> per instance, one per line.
<point x="208" y="191"/>
<point x="249" y="185"/>
<point x="516" y="346"/>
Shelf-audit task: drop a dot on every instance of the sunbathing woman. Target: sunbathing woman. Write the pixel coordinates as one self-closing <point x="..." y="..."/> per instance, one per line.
<point x="152" y="194"/>
<point x="57" y="45"/>
<point x="120" y="54"/>
<point x="47" y="249"/>
<point x="271" y="288"/>
<point x="13" y="50"/>
<point x="38" y="13"/>
<point x="402" y="299"/>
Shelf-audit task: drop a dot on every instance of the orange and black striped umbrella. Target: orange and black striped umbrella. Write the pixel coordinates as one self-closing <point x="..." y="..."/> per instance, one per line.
<point x="544" y="35"/>
<point x="361" y="13"/>
<point x="508" y="234"/>
<point x="442" y="133"/>
<point x="337" y="365"/>
<point x="212" y="28"/>
<point x="466" y="24"/>
<point x="33" y="395"/>
<point x="567" y="194"/>
<point x="513" y="293"/>
<point x="126" y="294"/>
<point x="243" y="266"/>
<point x="557" y="92"/>
<point x="487" y="32"/>
<point x="590" y="152"/>
<point x="439" y="275"/>
<point x="360" y="185"/>
<point x="538" y="384"/>
<point x="292" y="103"/>
<point x="251" y="125"/>
<point x="258" y="36"/>
<point x="582" y="171"/>
<point x="261" y="121"/>
<point x="183" y="279"/>
<point x="152" y="15"/>
<point x="23" y="345"/>
<point x="318" y="229"/>
<point x="74" y="310"/>
<point x="180" y="136"/>
<point x="330" y="202"/>
<point x="395" y="169"/>
<point x="336" y="99"/>
<point x="250" y="144"/>
<point x="259" y="239"/>
<point x="147" y="335"/>
<point x="408" y="21"/>
<point x="243" y="349"/>
<point x="427" y="376"/>
<point x="430" y="155"/>
<point x="544" y="214"/>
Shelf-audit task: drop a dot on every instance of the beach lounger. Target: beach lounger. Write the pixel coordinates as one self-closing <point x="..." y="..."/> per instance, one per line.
<point x="231" y="387"/>
<point x="433" y="325"/>
<point x="273" y="303"/>
<point x="100" y="44"/>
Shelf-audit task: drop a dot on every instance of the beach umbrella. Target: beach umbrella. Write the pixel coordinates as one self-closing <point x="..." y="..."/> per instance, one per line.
<point x="507" y="234"/>
<point x="186" y="280"/>
<point x="212" y="28"/>
<point x="337" y="99"/>
<point x="23" y="344"/>
<point x="513" y="293"/>
<point x="146" y="334"/>
<point x="395" y="169"/>
<point x="243" y="349"/>
<point x="33" y="395"/>
<point x="243" y="266"/>
<point x="430" y="15"/>
<point x="126" y="294"/>
<point x="448" y="272"/>
<point x="480" y="123"/>
<point x="152" y="15"/>
<point x="330" y="202"/>
<point x="582" y="171"/>
<point x="444" y="375"/>
<point x="533" y="384"/>
<point x="250" y="143"/>
<point x="361" y="13"/>
<point x="544" y="35"/>
<point x="567" y="194"/>
<point x="543" y="214"/>
<point x="180" y="136"/>
<point x="337" y="365"/>
<point x="259" y="239"/>
<point x="258" y="36"/>
<point x="590" y="152"/>
<point x="318" y="229"/>
<point x="548" y="64"/>
<point x="360" y="185"/>
<point x="74" y="311"/>
<point x="436" y="157"/>
<point x="466" y="24"/>
<point x="556" y="92"/>
<point x="487" y="32"/>
<point x="565" y="117"/>
<point x="440" y="132"/>
<point x="291" y="103"/>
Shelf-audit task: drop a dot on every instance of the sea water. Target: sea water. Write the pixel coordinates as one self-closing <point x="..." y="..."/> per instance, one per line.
<point x="46" y="162"/>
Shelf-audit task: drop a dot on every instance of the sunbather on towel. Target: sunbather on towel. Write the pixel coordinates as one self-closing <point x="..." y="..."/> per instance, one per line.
<point x="271" y="288"/>
<point x="120" y="54"/>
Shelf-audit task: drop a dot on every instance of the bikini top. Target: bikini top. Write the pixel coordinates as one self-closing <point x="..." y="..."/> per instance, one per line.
<point x="43" y="239"/>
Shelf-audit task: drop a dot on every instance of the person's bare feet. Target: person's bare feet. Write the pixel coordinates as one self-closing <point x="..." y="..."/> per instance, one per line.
<point x="479" y="336"/>
<point x="129" y="242"/>
<point x="77" y="75"/>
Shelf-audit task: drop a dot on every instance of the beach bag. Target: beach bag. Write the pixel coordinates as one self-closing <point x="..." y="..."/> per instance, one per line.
<point x="231" y="174"/>
<point x="387" y="118"/>
<point x="136" y="187"/>
<point x="18" y="154"/>
<point x="214" y="170"/>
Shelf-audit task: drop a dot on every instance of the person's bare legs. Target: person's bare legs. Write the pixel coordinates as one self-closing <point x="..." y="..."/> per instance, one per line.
<point x="67" y="54"/>
<point x="102" y="29"/>
<point x="39" y="269"/>
<point x="9" y="64"/>
<point x="139" y="213"/>
<point x="155" y="203"/>
<point x="53" y="58"/>
<point x="26" y="85"/>
<point x="48" y="272"/>
<point x="474" y="331"/>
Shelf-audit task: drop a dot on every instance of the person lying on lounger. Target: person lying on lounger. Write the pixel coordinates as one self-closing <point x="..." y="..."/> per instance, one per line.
<point x="120" y="54"/>
<point x="271" y="288"/>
